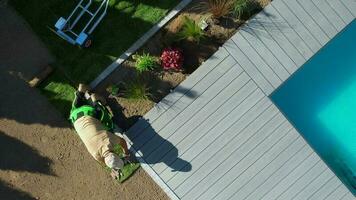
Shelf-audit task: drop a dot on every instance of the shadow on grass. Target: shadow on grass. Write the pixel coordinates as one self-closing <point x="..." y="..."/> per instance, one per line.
<point x="9" y="193"/>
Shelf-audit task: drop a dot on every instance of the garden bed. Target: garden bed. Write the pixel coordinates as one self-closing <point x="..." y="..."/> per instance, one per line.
<point x="154" y="85"/>
<point x="124" y="23"/>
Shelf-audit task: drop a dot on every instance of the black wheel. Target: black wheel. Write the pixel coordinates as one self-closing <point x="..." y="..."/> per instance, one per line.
<point x="88" y="43"/>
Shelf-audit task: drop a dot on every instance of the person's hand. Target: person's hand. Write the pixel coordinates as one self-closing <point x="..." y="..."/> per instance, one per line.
<point x="116" y="174"/>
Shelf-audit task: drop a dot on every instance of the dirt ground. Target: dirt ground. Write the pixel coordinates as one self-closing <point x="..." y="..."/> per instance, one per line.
<point x="40" y="155"/>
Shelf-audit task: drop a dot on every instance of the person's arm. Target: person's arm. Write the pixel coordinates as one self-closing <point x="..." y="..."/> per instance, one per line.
<point x="123" y="144"/>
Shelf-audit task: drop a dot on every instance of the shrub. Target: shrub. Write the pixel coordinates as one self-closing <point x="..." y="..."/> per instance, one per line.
<point x="145" y="62"/>
<point x="217" y="8"/>
<point x="190" y="30"/>
<point x="171" y="58"/>
<point x="113" y="90"/>
<point x="242" y="7"/>
<point x="136" y="90"/>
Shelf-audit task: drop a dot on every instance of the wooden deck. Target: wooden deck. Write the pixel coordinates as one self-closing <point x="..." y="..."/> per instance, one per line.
<point x="219" y="136"/>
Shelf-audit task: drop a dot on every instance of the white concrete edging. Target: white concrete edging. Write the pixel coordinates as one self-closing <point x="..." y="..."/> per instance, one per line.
<point x="140" y="42"/>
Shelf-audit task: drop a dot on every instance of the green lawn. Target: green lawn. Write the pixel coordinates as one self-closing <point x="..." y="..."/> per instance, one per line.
<point x="125" y="22"/>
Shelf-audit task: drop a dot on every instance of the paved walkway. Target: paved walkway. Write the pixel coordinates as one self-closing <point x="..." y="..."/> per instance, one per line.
<point x="219" y="136"/>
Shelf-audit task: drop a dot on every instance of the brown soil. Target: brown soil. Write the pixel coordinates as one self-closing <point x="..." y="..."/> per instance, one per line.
<point x="41" y="156"/>
<point x="162" y="82"/>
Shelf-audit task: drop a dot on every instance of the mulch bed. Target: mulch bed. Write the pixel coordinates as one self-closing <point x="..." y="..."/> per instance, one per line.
<point x="162" y="82"/>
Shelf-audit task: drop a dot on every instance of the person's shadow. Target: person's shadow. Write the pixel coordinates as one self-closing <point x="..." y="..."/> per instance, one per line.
<point x="148" y="153"/>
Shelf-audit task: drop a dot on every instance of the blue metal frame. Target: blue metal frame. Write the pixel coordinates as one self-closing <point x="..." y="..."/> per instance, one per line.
<point x="64" y="27"/>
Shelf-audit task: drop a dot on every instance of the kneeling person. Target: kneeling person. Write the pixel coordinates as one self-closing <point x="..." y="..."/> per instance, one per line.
<point x="94" y="126"/>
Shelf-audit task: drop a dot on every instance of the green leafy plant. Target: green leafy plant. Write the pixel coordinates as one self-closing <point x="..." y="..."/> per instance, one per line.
<point x="217" y="8"/>
<point x="242" y="7"/>
<point x="113" y="90"/>
<point x="145" y="62"/>
<point x="191" y="31"/>
<point x="136" y="90"/>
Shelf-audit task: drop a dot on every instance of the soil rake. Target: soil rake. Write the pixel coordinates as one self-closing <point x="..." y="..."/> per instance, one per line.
<point x="65" y="27"/>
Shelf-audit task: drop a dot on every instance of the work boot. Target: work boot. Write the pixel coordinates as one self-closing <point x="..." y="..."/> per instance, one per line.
<point x="83" y="88"/>
<point x="94" y="98"/>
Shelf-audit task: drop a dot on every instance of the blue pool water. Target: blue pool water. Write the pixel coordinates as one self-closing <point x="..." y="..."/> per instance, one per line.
<point x="320" y="101"/>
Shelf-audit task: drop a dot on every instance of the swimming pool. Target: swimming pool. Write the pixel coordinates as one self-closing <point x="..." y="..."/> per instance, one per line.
<point x="320" y="101"/>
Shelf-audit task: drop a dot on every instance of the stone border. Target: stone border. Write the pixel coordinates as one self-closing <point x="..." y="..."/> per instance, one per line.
<point x="139" y="43"/>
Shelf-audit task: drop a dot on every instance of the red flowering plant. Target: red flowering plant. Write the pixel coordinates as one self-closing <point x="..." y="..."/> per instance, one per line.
<point x="172" y="59"/>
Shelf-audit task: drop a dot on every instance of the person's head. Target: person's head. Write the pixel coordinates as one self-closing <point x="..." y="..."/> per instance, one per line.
<point x="113" y="161"/>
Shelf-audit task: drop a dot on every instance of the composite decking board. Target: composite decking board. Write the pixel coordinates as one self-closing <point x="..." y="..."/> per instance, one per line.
<point x="184" y="102"/>
<point x="227" y="150"/>
<point x="265" y="54"/>
<point x="342" y="11"/>
<point x="179" y="133"/>
<point x="297" y="25"/>
<point x="280" y="38"/>
<point x="234" y="142"/>
<point x="270" y="14"/>
<point x="261" y="34"/>
<point x="262" y="51"/>
<point x="179" y="92"/>
<point x="351" y="5"/>
<point x="212" y="171"/>
<point x="248" y="112"/>
<point x="246" y="64"/>
<point x="318" y="17"/>
<point x="348" y="196"/>
<point x="192" y="109"/>
<point x="337" y="194"/>
<point x="330" y="13"/>
<point x="289" y="188"/>
<point x="278" y="182"/>
<point x="307" y="20"/>
<point x="272" y="75"/>
<point x="314" y="186"/>
<point x="324" y="191"/>
<point x="289" y="149"/>
<point x="267" y="149"/>
<point x="272" y="171"/>
<point x="246" y="94"/>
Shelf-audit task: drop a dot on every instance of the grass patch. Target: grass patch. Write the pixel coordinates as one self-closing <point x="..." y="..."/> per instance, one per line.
<point x="128" y="169"/>
<point x="124" y="23"/>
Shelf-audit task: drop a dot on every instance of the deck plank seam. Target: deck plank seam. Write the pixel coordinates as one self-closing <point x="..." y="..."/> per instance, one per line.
<point x="294" y="182"/>
<point x="292" y="28"/>
<point x="241" y="74"/>
<point x="255" y="90"/>
<point x="301" y="22"/>
<point x="290" y="172"/>
<point x="322" y="13"/>
<point x="263" y="75"/>
<point x="169" y="136"/>
<point x="279" y="153"/>
<point x="226" y="56"/>
<point x="249" y="81"/>
<point x="274" y="116"/>
<point x="273" y="54"/>
<point x="295" y="32"/>
<point x="313" y="19"/>
<point x="262" y="98"/>
<point x="271" y="35"/>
